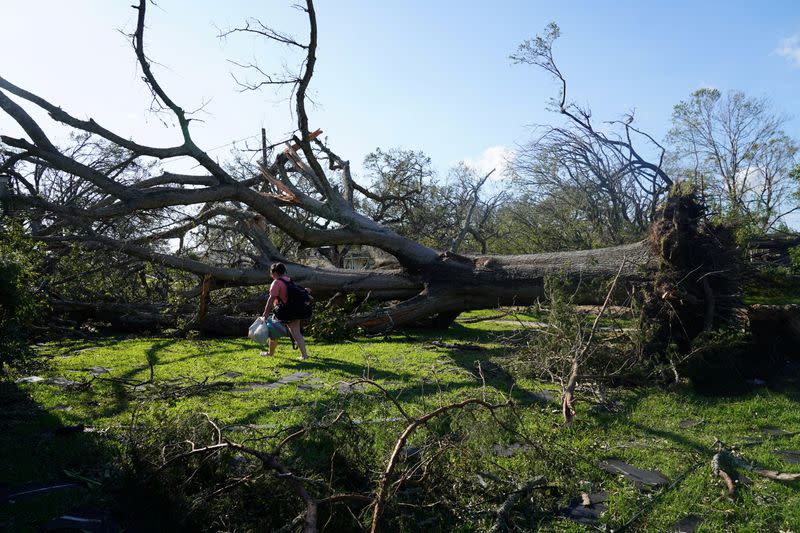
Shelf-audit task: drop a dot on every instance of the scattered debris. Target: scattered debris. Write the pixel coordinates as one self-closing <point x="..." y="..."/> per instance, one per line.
<point x="716" y="469"/>
<point x="738" y="462"/>
<point x="483" y="476"/>
<point x="587" y="509"/>
<point x="640" y="478"/>
<point x="504" y="510"/>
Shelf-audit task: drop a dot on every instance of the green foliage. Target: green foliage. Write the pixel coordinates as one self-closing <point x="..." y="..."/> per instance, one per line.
<point x="20" y="303"/>
<point x="611" y="353"/>
<point x="775" y="285"/>
<point x="330" y="324"/>
<point x="794" y="259"/>
<point x="748" y="178"/>
<point x="88" y="275"/>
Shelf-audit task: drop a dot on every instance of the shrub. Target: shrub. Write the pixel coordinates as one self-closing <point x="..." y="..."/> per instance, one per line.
<point x="20" y="302"/>
<point x="329" y="324"/>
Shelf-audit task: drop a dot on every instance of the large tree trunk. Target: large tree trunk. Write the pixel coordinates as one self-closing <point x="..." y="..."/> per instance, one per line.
<point x="459" y="283"/>
<point x="452" y="284"/>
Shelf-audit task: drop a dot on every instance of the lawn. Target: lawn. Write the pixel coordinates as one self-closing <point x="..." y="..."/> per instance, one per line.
<point x="68" y="430"/>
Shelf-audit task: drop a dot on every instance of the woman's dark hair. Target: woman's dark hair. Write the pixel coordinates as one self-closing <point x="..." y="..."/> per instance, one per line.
<point x="278" y="268"/>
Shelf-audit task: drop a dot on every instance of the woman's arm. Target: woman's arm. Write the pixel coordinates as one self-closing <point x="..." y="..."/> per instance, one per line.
<point x="270" y="300"/>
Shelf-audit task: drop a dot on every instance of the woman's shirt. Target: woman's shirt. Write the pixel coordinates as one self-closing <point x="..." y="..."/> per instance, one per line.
<point x="278" y="291"/>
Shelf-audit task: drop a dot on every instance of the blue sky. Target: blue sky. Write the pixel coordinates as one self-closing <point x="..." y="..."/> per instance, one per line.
<point x="425" y="75"/>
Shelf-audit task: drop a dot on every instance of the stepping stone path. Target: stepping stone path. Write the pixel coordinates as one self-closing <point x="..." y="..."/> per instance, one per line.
<point x="640" y="478"/>
<point x="96" y="370"/>
<point x="291" y="378"/>
<point x="312" y="384"/>
<point x="775" y="432"/>
<point x="688" y="524"/>
<point x="788" y="456"/>
<point x="587" y="509"/>
<point x="63" y="382"/>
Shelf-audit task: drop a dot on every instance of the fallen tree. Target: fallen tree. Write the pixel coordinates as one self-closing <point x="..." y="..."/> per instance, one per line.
<point x="118" y="199"/>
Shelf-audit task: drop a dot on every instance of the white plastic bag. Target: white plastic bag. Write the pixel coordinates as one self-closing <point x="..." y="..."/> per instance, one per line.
<point x="258" y="331"/>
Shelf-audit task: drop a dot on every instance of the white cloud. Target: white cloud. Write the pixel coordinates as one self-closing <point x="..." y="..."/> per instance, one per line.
<point x="790" y="49"/>
<point x="494" y="157"/>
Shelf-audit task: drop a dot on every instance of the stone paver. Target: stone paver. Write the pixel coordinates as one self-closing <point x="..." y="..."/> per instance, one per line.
<point x="788" y="456"/>
<point x="688" y="524"/>
<point x="97" y="370"/>
<point x="639" y="477"/>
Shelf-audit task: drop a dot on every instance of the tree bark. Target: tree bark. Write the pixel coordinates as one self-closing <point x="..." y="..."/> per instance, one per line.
<point x="460" y="283"/>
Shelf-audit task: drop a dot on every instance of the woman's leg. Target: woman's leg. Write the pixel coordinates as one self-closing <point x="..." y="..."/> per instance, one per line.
<point x="294" y="328"/>
<point x="273" y="343"/>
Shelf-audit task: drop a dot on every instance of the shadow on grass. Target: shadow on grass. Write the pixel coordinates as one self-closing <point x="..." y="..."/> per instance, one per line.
<point x="36" y="452"/>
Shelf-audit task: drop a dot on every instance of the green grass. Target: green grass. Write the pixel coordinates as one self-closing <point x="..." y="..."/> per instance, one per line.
<point x="643" y="430"/>
<point x="776" y="287"/>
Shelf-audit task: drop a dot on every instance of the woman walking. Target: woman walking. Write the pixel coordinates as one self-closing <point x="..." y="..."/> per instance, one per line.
<point x="278" y="296"/>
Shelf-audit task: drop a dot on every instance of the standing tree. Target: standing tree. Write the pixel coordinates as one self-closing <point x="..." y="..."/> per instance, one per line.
<point x="734" y="148"/>
<point x="598" y="175"/>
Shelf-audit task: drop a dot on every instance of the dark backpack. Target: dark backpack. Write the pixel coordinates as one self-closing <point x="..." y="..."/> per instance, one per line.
<point x="297" y="305"/>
